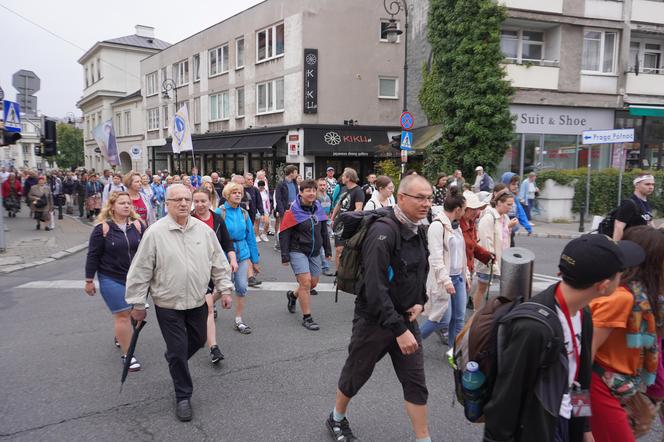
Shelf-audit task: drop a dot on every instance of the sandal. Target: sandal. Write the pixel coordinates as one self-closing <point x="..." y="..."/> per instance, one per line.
<point x="242" y="328"/>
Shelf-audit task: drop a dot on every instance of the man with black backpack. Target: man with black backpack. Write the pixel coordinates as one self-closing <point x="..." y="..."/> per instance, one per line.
<point x="540" y="387"/>
<point x="390" y="295"/>
<point x="635" y="211"/>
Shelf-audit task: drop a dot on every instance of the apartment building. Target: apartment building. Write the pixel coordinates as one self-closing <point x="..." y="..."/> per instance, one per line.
<point x="577" y="65"/>
<point x="307" y="82"/>
<point x="112" y="92"/>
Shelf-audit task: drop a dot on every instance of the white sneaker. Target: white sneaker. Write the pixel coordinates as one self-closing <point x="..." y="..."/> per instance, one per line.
<point x="258" y="239"/>
<point x="264" y="237"/>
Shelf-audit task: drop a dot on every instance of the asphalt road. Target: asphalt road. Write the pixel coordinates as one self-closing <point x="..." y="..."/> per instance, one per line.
<point x="61" y="372"/>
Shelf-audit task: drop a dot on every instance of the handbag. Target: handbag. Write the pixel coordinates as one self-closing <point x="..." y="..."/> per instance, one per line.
<point x="41" y="202"/>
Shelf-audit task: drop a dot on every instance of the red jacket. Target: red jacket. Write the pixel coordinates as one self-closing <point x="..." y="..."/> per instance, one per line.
<point x="6" y="188"/>
<point x="473" y="249"/>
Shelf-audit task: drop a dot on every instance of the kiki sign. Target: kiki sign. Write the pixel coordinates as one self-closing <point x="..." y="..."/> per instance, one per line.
<point x="559" y="120"/>
<point x="310" y="81"/>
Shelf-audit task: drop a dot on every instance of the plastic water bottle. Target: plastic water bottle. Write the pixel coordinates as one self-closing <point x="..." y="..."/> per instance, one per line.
<point x="472" y="381"/>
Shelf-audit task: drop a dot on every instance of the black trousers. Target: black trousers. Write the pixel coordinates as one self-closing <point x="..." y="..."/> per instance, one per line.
<point x="184" y="332"/>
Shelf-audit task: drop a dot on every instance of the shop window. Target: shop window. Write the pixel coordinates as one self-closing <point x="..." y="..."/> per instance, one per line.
<point x="599" y="51"/>
<point x="559" y="152"/>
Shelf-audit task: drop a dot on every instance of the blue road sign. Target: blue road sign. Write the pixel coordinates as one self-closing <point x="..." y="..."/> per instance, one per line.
<point x="407" y="120"/>
<point x="406" y="140"/>
<point x="12" y="116"/>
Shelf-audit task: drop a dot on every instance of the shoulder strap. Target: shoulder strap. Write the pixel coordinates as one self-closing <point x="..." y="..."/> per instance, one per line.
<point x="222" y="212"/>
<point x="245" y="214"/>
<point x="138" y="224"/>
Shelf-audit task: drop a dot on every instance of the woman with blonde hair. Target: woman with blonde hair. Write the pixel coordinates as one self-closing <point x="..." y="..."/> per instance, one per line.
<point x="207" y="185"/>
<point x="141" y="203"/>
<point x="113" y="244"/>
<point x="241" y="231"/>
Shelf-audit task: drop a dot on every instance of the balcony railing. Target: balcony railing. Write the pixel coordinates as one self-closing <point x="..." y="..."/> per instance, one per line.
<point x="532" y="62"/>
<point x="642" y="70"/>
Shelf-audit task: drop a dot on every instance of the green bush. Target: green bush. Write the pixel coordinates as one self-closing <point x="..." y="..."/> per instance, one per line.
<point x="390" y="168"/>
<point x="603" y="187"/>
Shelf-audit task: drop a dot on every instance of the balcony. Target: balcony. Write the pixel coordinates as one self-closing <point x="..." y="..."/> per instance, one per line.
<point x="648" y="11"/>
<point x="533" y="74"/>
<point x="554" y="6"/>
<point x="648" y="82"/>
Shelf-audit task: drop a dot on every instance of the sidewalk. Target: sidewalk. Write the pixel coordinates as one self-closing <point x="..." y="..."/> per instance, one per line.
<point x="563" y="230"/>
<point x="27" y="247"/>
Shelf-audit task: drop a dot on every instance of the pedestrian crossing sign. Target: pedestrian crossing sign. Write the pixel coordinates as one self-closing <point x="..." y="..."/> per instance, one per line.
<point x="12" y="116"/>
<point x="406" y="140"/>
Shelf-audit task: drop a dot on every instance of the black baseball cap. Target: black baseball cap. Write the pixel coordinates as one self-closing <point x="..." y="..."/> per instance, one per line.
<point x="593" y="258"/>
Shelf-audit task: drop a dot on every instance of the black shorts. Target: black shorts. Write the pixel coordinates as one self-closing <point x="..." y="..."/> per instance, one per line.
<point x="368" y="344"/>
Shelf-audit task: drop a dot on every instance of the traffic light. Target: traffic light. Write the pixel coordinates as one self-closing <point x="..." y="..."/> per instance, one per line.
<point x="49" y="144"/>
<point x="9" y="138"/>
<point x="38" y="151"/>
<point x="396" y="141"/>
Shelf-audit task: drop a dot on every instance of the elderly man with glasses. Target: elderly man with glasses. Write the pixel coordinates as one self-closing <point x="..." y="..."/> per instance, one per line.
<point x="174" y="263"/>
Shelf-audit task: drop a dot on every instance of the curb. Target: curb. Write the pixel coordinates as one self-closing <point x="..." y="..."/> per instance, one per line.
<point x="54" y="257"/>
<point x="552" y="235"/>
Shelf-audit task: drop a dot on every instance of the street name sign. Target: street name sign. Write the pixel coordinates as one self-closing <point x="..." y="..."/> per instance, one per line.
<point x="608" y="136"/>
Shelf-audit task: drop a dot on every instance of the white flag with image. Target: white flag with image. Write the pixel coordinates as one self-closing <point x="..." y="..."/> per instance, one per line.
<point x="181" y="131"/>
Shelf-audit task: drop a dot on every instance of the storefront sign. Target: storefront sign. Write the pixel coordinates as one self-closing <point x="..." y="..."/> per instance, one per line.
<point x="310" y="81"/>
<point x="560" y="120"/>
<point x="343" y="141"/>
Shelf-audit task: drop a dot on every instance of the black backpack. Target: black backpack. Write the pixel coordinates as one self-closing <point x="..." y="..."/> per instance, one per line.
<point x="354" y="228"/>
<point x="485" y="336"/>
<point x="605" y="227"/>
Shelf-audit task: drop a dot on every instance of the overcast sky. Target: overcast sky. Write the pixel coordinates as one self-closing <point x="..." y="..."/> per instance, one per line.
<point x="83" y="23"/>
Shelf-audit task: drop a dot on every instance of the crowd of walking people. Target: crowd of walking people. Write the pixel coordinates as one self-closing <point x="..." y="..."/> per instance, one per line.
<point x="428" y="253"/>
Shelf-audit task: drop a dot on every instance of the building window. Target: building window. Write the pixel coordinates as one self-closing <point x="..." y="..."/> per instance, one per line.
<point x="197" y="110"/>
<point x="99" y="69"/>
<point x="127" y="122"/>
<point x="166" y="116"/>
<point x="151" y="84"/>
<point x="270" y="96"/>
<point x="239" y="53"/>
<point x="196" y="61"/>
<point x="153" y="118"/>
<point x="239" y="102"/>
<point x="163" y="74"/>
<point x="218" y="60"/>
<point x="387" y="88"/>
<point x="118" y="124"/>
<point x="649" y="56"/>
<point x="92" y="72"/>
<point x="599" y="51"/>
<point x="383" y="30"/>
<point x="181" y="72"/>
<point x="219" y="106"/>
<point x="270" y="43"/>
<point x="522" y="45"/>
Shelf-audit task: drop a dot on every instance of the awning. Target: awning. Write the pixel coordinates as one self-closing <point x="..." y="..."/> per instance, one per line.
<point x="346" y="142"/>
<point x="646" y="111"/>
<point x="231" y="144"/>
<point x="424" y="136"/>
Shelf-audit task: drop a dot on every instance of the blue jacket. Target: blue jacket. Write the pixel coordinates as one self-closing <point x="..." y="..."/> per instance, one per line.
<point x="112" y="255"/>
<point x="520" y="213"/>
<point x="241" y="231"/>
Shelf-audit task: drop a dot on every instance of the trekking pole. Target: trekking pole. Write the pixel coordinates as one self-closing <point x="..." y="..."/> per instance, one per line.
<point x="488" y="287"/>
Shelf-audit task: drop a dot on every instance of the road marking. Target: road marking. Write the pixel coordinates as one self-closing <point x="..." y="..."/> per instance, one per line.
<point x="540" y="282"/>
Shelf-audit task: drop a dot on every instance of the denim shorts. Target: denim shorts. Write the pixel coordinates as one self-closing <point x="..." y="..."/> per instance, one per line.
<point x="302" y="263"/>
<point x="485" y="277"/>
<point x="113" y="292"/>
<point x="240" y="278"/>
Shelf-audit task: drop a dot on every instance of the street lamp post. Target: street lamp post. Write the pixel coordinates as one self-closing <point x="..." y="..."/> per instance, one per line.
<point x="394" y="7"/>
<point x="169" y="85"/>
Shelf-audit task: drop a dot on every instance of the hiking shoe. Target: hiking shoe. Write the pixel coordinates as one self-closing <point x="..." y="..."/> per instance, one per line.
<point x="183" y="410"/>
<point x="253" y="282"/>
<point x="215" y="354"/>
<point x="258" y="239"/>
<point x="264" y="237"/>
<point x="313" y="292"/>
<point x="340" y="431"/>
<point x="309" y="324"/>
<point x="292" y="300"/>
<point x="134" y="366"/>
<point x="277" y="246"/>
<point x="242" y="328"/>
<point x="329" y="272"/>
<point x="117" y="344"/>
<point x="443" y="336"/>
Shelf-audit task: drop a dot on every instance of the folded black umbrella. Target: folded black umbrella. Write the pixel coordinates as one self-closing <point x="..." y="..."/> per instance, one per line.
<point x="130" y="352"/>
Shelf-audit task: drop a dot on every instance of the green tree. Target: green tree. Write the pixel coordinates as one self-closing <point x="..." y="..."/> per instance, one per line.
<point x="70" y="146"/>
<point x="464" y="88"/>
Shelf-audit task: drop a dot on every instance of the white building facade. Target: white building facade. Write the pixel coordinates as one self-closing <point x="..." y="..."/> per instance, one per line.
<point x="111" y="71"/>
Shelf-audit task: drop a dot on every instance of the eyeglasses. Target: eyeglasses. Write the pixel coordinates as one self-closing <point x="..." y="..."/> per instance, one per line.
<point x="179" y="200"/>
<point x="421" y="199"/>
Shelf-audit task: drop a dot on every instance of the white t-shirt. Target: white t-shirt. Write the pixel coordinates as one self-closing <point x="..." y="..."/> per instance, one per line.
<point x="566" y="405"/>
